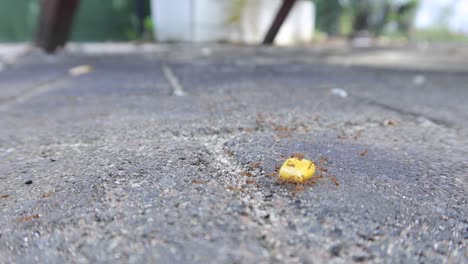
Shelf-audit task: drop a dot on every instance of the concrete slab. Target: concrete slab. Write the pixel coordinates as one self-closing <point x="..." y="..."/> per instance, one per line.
<point x="111" y="166"/>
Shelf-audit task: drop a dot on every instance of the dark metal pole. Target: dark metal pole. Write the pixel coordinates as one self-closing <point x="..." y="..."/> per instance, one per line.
<point x="55" y="22"/>
<point x="279" y="19"/>
<point x="140" y="13"/>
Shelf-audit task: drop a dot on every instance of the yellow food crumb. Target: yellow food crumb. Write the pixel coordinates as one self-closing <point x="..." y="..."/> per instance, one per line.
<point x="296" y="170"/>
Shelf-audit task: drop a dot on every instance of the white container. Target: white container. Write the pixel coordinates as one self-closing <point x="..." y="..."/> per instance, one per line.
<point x="190" y="20"/>
<point x="207" y="21"/>
<point x="172" y="20"/>
<point x="210" y="20"/>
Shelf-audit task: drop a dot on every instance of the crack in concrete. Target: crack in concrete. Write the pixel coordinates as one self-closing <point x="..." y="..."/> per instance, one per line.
<point x="34" y="91"/>
<point x="437" y="121"/>
<point x="225" y="164"/>
<point x="173" y="81"/>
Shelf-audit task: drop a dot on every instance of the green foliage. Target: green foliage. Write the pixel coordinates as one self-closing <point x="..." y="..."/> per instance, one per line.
<point x="148" y="24"/>
<point x="96" y="20"/>
<point x="376" y="16"/>
<point x="131" y="31"/>
<point x="236" y="9"/>
<point x="18" y="20"/>
<point x="132" y="23"/>
<point x="440" y="35"/>
<point x="104" y="20"/>
<point x="119" y="5"/>
<point x="328" y="15"/>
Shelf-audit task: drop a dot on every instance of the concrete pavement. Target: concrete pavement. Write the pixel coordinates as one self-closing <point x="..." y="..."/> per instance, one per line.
<point x="112" y="166"/>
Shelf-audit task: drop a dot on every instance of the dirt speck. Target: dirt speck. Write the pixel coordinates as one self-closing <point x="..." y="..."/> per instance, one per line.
<point x="199" y="182"/>
<point x="299" y="156"/>
<point x="254" y="165"/>
<point x="228" y="152"/>
<point x="272" y="174"/>
<point x="28" y="218"/>
<point x="251" y="182"/>
<point x="364" y="152"/>
<point x="235" y="189"/>
<point x="390" y="122"/>
<point x="246" y="174"/>
<point x="334" y="180"/>
<point x="46" y="195"/>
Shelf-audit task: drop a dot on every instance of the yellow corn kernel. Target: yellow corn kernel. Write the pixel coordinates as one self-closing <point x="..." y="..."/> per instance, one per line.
<point x="296" y="170"/>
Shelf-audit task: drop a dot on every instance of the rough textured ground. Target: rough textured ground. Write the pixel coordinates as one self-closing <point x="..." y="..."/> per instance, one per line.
<point x="110" y="166"/>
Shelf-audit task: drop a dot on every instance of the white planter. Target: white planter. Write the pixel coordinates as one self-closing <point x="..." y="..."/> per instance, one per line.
<point x="207" y="21"/>
<point x="172" y="20"/>
<point x="189" y="20"/>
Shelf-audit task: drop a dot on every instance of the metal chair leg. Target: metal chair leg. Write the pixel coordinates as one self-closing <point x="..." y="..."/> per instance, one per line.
<point x="278" y="22"/>
<point x="55" y="22"/>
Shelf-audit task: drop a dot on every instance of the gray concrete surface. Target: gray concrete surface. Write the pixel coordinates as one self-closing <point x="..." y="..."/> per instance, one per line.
<point x="110" y="166"/>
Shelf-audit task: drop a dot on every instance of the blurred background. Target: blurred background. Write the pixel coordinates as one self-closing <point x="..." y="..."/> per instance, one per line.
<point x="246" y="21"/>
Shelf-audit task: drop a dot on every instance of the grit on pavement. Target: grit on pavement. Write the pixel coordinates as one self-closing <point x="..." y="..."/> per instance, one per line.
<point x="168" y="155"/>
